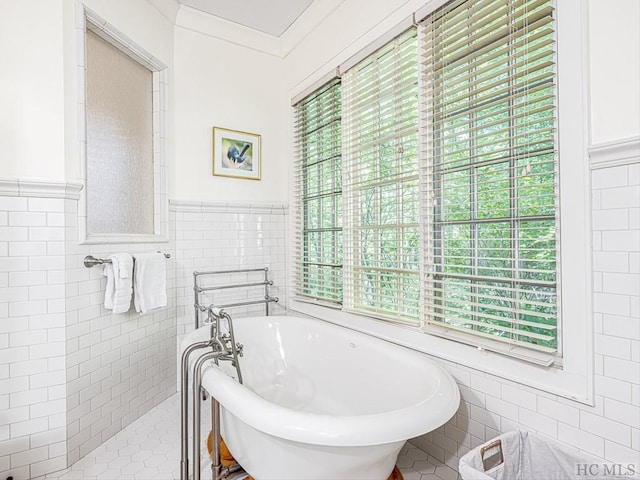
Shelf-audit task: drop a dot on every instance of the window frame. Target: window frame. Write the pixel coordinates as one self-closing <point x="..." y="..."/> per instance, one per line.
<point x="575" y="378"/>
<point x="99" y="26"/>
<point x="437" y="218"/>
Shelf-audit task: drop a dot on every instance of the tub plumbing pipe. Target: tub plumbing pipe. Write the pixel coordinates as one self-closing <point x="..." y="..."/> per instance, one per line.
<point x="223" y="347"/>
<point x="184" y="407"/>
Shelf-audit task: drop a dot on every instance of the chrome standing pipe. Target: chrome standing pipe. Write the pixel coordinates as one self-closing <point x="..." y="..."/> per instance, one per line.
<point x="196" y="304"/>
<point x="216" y="463"/>
<point x="184" y="407"/>
<point x="197" y="385"/>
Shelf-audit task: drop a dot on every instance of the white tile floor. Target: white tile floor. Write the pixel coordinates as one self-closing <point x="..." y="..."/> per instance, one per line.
<point x="149" y="449"/>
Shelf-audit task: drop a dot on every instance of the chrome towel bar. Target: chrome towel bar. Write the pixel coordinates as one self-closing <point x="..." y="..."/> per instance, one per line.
<point x="91" y="261"/>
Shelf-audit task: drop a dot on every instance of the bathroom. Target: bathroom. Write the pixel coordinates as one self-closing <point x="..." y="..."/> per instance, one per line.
<point x="72" y="375"/>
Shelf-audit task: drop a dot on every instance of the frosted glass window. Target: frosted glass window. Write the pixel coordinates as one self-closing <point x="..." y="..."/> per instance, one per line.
<point x="119" y="117"/>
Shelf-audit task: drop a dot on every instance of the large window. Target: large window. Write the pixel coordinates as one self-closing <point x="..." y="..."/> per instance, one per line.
<point x="450" y="180"/>
<point x="490" y="161"/>
<point x="319" y="194"/>
<point x="382" y="235"/>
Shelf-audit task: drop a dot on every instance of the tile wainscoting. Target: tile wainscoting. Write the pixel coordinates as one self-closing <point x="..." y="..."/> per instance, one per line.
<point x="71" y="373"/>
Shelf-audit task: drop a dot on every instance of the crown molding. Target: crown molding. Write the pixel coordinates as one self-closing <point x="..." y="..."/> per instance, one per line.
<point x="195" y="20"/>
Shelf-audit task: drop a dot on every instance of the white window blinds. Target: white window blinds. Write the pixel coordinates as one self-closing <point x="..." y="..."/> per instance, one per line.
<point x="490" y="182"/>
<point x="380" y="140"/>
<point x="318" y="185"/>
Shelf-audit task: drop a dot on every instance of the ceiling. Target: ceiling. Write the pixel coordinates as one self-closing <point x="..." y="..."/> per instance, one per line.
<point x="269" y="16"/>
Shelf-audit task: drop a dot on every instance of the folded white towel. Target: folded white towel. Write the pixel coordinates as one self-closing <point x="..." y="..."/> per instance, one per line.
<point x="150" y="282"/>
<point x="119" y="273"/>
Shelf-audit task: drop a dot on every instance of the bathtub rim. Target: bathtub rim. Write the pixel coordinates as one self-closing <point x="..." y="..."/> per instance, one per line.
<point x="332" y="430"/>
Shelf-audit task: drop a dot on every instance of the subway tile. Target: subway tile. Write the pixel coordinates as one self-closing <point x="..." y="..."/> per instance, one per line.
<point x="605" y="428"/>
<point x="27" y="219"/>
<point x="14" y="234"/>
<point x="29" y="427"/>
<point x="50" y="465"/>
<point x="611" y="304"/>
<point x="47" y="379"/>
<point x="611" y="219"/>
<point x="609" y="177"/>
<point x="36" y="204"/>
<point x="519" y="397"/>
<point x="616" y="262"/>
<point x="625" y="455"/>
<point x="47" y="234"/>
<point x="46" y="263"/>
<point x="621" y="326"/>
<point x="502" y="408"/>
<point x="622" y="412"/>
<point x="589" y="442"/>
<point x="613" y="346"/>
<point x="486" y="385"/>
<point x="13" y="204"/>
<point x="621" y="241"/>
<point x="538" y="422"/>
<point x="27" y="249"/>
<point x="27" y="338"/>
<point x="622" y="197"/>
<point x="622" y="369"/>
<point x="621" y="283"/>
<point x="27" y="367"/>
<point x="613" y="388"/>
<point x="562" y="413"/>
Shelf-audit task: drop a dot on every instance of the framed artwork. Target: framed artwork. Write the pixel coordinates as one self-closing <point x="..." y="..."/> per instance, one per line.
<point x="236" y="154"/>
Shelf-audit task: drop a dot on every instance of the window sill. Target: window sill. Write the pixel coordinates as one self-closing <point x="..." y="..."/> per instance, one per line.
<point x="122" y="238"/>
<point x="562" y="382"/>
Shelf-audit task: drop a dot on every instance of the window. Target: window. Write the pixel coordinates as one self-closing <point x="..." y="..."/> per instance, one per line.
<point x="122" y="132"/>
<point x="119" y="141"/>
<point x="319" y="194"/>
<point x="382" y="233"/>
<point x="490" y="161"/>
<point x="451" y="183"/>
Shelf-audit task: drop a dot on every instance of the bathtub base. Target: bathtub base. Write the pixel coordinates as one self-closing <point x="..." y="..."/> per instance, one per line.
<point x="266" y="457"/>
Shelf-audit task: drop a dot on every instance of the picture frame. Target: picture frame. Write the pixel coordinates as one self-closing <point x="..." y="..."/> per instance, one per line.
<point x="237" y="154"/>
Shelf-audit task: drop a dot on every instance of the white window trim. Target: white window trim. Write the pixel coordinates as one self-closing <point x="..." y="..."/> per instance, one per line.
<point x="88" y="19"/>
<point x="575" y="380"/>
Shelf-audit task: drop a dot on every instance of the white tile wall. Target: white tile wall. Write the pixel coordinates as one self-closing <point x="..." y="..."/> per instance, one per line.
<point x="610" y="429"/>
<point x="211" y="236"/>
<point x="32" y="330"/>
<point x="71" y="374"/>
<point x="118" y="366"/>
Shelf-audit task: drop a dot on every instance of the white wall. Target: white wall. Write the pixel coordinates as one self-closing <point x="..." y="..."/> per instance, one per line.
<point x="219" y="83"/>
<point x="614" y="42"/>
<point x="31" y="89"/>
<point x="349" y="28"/>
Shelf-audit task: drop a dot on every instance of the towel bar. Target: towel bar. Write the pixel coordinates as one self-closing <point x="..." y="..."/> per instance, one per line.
<point x="91" y="261"/>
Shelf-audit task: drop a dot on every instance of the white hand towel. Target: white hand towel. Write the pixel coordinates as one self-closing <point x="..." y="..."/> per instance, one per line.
<point x="150" y="282"/>
<point x="119" y="273"/>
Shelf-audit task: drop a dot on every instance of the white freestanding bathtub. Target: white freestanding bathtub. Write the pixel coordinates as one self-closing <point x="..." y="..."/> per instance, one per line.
<point x="323" y="402"/>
